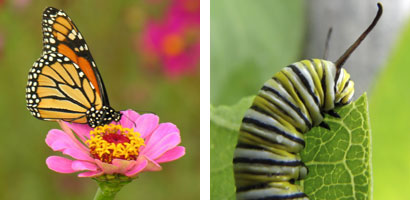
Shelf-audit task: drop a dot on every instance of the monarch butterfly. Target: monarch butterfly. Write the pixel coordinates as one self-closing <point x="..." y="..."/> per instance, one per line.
<point x="266" y="159"/>
<point x="64" y="83"/>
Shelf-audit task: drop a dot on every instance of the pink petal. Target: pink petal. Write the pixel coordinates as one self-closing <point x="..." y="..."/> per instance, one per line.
<point x="123" y="165"/>
<point x="61" y="141"/>
<point x="140" y="164"/>
<point x="106" y="167"/>
<point x="82" y="130"/>
<point x="128" y="118"/>
<point x="84" y="165"/>
<point x="70" y="135"/>
<point x="60" y="164"/>
<point x="145" y="124"/>
<point x="152" y="165"/>
<point x="171" y="155"/>
<point x="91" y="174"/>
<point x="162" y="130"/>
<point x="65" y="127"/>
<point x="162" y="145"/>
<point x="118" y="166"/>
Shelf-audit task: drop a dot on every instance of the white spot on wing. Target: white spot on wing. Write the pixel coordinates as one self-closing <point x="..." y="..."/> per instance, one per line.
<point x="71" y="36"/>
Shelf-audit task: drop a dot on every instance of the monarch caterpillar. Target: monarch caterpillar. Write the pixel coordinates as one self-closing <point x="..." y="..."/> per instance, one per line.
<point x="266" y="159"/>
<point x="64" y="83"/>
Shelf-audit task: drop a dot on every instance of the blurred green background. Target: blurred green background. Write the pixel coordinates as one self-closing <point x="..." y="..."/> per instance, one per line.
<point x="251" y="41"/>
<point x="111" y="29"/>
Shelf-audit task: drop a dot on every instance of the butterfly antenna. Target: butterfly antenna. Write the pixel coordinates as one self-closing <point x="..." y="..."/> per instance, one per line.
<point x="339" y="63"/>
<point x="325" y="53"/>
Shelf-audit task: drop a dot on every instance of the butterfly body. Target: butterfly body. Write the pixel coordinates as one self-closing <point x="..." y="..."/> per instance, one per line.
<point x="64" y="83"/>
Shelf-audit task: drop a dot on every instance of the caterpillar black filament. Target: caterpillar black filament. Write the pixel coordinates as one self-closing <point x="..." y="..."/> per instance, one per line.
<point x="266" y="159"/>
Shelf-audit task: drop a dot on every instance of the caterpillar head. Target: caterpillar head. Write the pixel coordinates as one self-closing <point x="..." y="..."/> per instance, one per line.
<point x="344" y="88"/>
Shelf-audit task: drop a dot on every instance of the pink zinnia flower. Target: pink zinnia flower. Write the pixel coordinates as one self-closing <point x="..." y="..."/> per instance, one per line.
<point x="21" y="4"/>
<point x="185" y="11"/>
<point x="1" y="43"/>
<point x="174" y="41"/>
<point x="135" y="144"/>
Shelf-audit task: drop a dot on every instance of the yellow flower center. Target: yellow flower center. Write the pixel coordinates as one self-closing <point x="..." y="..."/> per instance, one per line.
<point x="113" y="141"/>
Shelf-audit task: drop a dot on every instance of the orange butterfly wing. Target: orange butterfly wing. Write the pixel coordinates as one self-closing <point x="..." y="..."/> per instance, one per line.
<point x="65" y="83"/>
<point x="61" y="35"/>
<point x="58" y="89"/>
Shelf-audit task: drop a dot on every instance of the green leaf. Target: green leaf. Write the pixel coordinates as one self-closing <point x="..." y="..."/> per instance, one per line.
<point x="338" y="160"/>
<point x="225" y="122"/>
<point x="389" y="111"/>
<point x="250" y="40"/>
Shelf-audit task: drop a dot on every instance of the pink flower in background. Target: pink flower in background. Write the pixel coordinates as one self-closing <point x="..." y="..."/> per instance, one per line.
<point x="1" y="44"/>
<point x="135" y="144"/>
<point x="21" y="4"/>
<point x="174" y="41"/>
<point x="187" y="11"/>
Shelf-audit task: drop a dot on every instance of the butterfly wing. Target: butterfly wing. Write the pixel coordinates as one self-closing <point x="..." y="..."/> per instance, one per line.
<point x="57" y="88"/>
<point x="61" y="35"/>
<point x="65" y="84"/>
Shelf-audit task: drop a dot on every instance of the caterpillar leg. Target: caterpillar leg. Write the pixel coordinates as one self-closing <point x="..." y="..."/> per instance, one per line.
<point x="272" y="190"/>
<point x="324" y="125"/>
<point x="333" y="113"/>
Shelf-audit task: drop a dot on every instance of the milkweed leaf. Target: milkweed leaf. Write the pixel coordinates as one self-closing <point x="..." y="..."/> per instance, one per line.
<point x="225" y="122"/>
<point x="339" y="160"/>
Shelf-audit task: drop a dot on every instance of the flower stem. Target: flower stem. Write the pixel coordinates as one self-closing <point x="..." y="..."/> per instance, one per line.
<point x="110" y="185"/>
